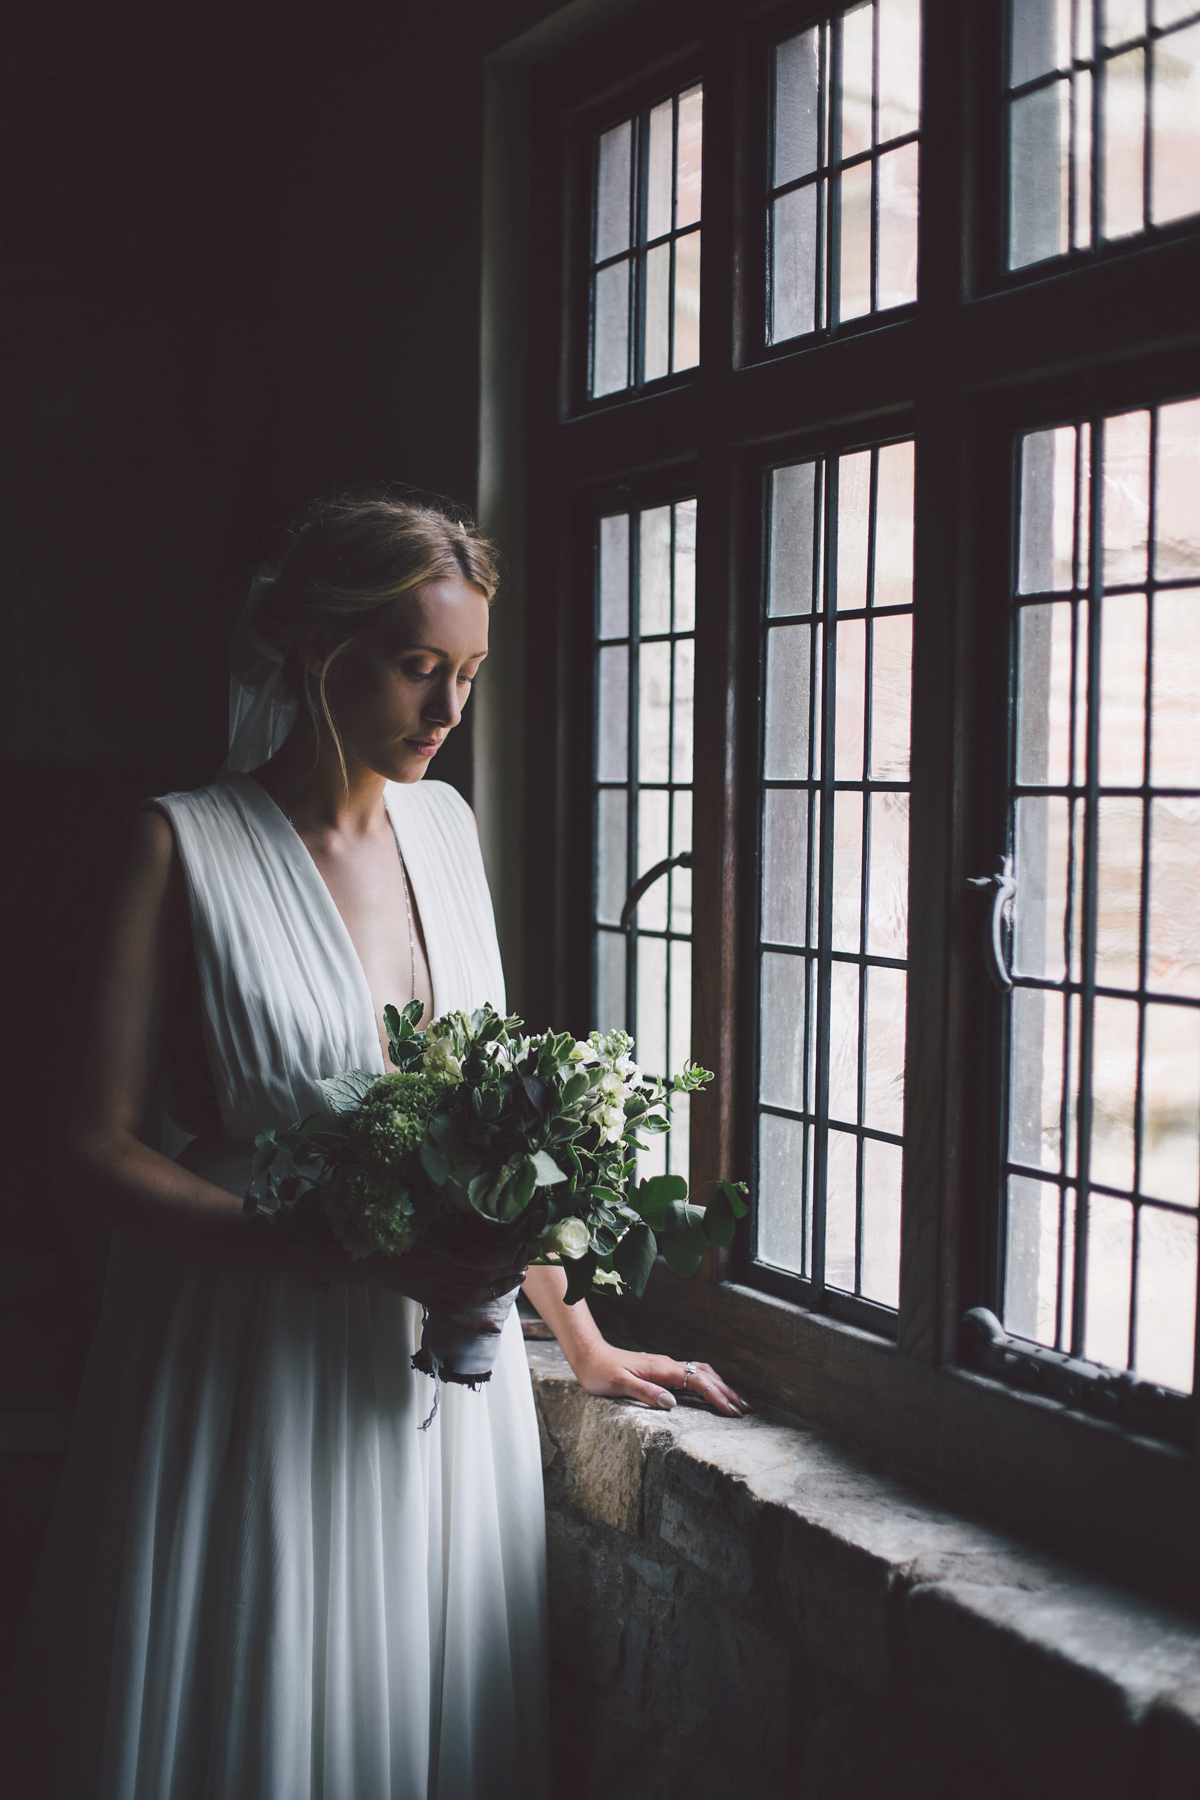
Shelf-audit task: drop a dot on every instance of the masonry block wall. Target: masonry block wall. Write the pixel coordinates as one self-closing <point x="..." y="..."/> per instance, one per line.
<point x="740" y="1610"/>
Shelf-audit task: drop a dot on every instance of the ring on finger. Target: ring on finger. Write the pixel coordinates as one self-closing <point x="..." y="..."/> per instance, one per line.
<point x="689" y="1369"/>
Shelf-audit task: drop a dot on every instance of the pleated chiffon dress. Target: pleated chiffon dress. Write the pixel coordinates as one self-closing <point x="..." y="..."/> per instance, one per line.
<point x="262" y="1579"/>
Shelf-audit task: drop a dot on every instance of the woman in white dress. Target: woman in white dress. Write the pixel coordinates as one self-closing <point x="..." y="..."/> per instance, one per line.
<point x="262" y="1580"/>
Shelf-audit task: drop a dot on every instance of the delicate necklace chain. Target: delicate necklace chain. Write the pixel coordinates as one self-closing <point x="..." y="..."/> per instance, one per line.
<point x="412" y="941"/>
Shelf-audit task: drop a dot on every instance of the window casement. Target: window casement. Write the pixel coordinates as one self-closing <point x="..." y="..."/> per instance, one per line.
<point x="832" y="657"/>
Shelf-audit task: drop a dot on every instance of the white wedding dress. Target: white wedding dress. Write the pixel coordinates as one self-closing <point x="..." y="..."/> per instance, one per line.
<point x="263" y="1580"/>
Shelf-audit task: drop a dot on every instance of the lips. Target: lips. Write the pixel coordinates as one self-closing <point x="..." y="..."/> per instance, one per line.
<point x="425" y="746"/>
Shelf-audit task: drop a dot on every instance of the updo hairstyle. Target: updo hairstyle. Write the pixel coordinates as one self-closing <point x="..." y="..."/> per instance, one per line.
<point x="344" y="563"/>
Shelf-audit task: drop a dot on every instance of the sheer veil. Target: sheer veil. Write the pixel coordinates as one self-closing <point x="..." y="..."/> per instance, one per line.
<point x="261" y="711"/>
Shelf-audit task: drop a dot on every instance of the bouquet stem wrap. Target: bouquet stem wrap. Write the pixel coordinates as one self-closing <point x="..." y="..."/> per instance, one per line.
<point x="453" y="1352"/>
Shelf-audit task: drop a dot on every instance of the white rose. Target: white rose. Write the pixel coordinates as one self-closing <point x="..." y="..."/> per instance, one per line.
<point x="569" y="1238"/>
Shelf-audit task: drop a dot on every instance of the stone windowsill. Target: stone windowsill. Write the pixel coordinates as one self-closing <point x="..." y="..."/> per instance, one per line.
<point x="1036" y="1674"/>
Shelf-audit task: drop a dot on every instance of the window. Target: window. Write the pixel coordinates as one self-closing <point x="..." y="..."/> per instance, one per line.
<point x="645" y="279"/>
<point x="843" y="200"/>
<point x="1104" y="122"/>
<point x="834" y="872"/>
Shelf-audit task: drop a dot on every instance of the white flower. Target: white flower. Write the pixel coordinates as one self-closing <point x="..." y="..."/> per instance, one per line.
<point x="439" y="1059"/>
<point x="569" y="1238"/>
<point x="581" y="1052"/>
<point x="611" y="1084"/>
<point x="611" y="1120"/>
<point x="606" y="1278"/>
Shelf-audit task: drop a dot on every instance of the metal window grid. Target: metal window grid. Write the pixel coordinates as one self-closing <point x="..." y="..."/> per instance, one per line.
<point x="827" y="176"/>
<point x="1083" y="791"/>
<point x="821" y="786"/>
<point x="677" y="882"/>
<point x="1087" y="117"/>
<point x="637" y="251"/>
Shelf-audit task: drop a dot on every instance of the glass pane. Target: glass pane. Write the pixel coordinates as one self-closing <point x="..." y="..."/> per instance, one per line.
<point x="1166" y="1294"/>
<point x="1041" y="38"/>
<point x="1126" y="497"/>
<point x="612" y="726"/>
<point x="795" y="532"/>
<point x="1044" y="694"/>
<point x="854" y="293"/>
<point x="894" y="526"/>
<point x="687" y="202"/>
<point x="612" y="884"/>
<point x="613" y="188"/>
<point x="1177" y="516"/>
<point x="687" y="301"/>
<point x="1121" y="20"/>
<point x="891" y="696"/>
<point x="841" y="1178"/>
<point x="1036" y="1069"/>
<point x="1167" y="12"/>
<point x="1124" y="98"/>
<point x="1175" y="114"/>
<point x="614" y="576"/>
<point x="856" y="80"/>
<point x="1038" y="188"/>
<point x="610" y="350"/>
<point x="883" y="1167"/>
<point x="1047" y="510"/>
<point x="1174" y="925"/>
<point x="847" y="870"/>
<point x="651" y="1031"/>
<point x="788" y="725"/>
<point x="850" y="707"/>
<point x="1109" y="1269"/>
<point x="780" y="1215"/>
<point x="681" y="738"/>
<point x="654" y="575"/>
<point x="884" y="1097"/>
<point x="1041" y="872"/>
<point x="797" y="113"/>
<point x="781" y="1070"/>
<point x="1118" y="892"/>
<point x="680" y="1021"/>
<point x="681" y="879"/>
<point x="654" y="712"/>
<point x="685" y="565"/>
<point x="1081" y="234"/>
<point x="1031" y="1258"/>
<point x="1114" y="1082"/>
<point x="658" y="312"/>
<point x="659" y="170"/>
<point x="794" y="264"/>
<point x="610" y="981"/>
<point x="843" y="1042"/>
<point x="853" y="517"/>
<point x="1171" y="1104"/>
<point x="887" y="930"/>
<point x="1122" y="690"/>
<point x="898" y="226"/>
<point x="785" y="866"/>
<point x="653" y="816"/>
<point x="899" y="67"/>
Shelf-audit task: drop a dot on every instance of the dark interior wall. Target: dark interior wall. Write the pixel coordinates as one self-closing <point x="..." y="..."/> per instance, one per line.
<point x="240" y="267"/>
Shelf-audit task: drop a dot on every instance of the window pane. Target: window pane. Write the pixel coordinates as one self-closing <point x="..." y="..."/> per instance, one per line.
<point x="1032" y="1257"/>
<point x="611" y="880"/>
<point x="883" y="1166"/>
<point x="1175" y="742"/>
<point x="1126" y="497"/>
<point x="785" y="849"/>
<point x="855" y="287"/>
<point x="884" y="1087"/>
<point x="1048" y="510"/>
<point x="612" y="728"/>
<point x="614" y="576"/>
<point x="1038" y="152"/>
<point x="794" y="264"/>
<point x="794" y="537"/>
<point x="780" y="1236"/>
<point x="887" y="927"/>
<point x="891" y="696"/>
<point x="1040" y="906"/>
<point x="1166" y="1294"/>
<point x="1121" y="20"/>
<point x="847" y="870"/>
<point x="850" y="710"/>
<point x="841" y="1181"/>
<point x="857" y="55"/>
<point x="658" y="312"/>
<point x="610" y="353"/>
<point x="687" y="301"/>
<point x="613" y="190"/>
<point x="659" y="169"/>
<point x="1041" y="38"/>
<point x="797" y="113"/>
<point x="782" y="1000"/>
<point x="789" y="727"/>
<point x="653" y="839"/>
<point x="854" y="514"/>
<point x="1171" y="1105"/>
<point x="1114" y="1081"/>
<point x="894" y="526"/>
<point x="1177" y="517"/>
<point x="899" y="67"/>
<point x="1124" y="99"/>
<point x="687" y="206"/>
<point x="1109" y="1280"/>
<point x="654" y="576"/>
<point x="1122" y="690"/>
<point x="654" y="712"/>
<point x="1044" y="688"/>
<point x="843" y="1042"/>
<point x="684" y="615"/>
<point x="1036" y="1077"/>
<point x="610" y="981"/>
<point x="1174" y="924"/>
<point x="1175" y="100"/>
<point x="898" y="226"/>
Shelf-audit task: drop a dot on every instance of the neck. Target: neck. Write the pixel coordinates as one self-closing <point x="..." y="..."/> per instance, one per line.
<point x="305" y="778"/>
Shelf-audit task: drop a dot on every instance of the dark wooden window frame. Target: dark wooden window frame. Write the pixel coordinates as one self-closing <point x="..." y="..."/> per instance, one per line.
<point x="976" y="358"/>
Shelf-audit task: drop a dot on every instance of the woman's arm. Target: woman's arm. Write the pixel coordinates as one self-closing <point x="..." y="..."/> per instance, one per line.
<point x="600" y="1368"/>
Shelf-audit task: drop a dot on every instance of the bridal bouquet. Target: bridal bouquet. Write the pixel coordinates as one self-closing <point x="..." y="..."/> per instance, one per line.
<point x="484" y="1136"/>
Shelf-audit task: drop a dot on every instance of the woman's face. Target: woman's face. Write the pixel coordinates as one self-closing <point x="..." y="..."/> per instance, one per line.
<point x="402" y="687"/>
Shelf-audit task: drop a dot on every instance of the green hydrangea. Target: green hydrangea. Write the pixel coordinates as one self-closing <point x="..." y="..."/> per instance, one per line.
<point x="368" y="1201"/>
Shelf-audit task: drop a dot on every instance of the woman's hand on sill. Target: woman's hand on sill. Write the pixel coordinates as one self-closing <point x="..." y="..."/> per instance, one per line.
<point x="655" y="1380"/>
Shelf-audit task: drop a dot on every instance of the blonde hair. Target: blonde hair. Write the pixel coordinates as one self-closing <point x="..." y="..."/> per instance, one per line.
<point x="345" y="561"/>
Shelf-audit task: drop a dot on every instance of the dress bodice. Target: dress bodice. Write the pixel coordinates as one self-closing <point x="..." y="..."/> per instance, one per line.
<point x="285" y="1000"/>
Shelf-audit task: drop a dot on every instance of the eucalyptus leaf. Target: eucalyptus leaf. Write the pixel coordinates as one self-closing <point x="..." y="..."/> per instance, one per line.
<point x="633" y="1258"/>
<point x="679" y="1257"/>
<point x="347" y="1091"/>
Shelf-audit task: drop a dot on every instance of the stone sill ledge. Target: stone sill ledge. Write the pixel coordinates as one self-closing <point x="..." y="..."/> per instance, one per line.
<point x="1050" y="1679"/>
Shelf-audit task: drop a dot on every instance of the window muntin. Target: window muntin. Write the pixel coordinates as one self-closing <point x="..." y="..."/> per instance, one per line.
<point x="842" y="206"/>
<point x="1102" y="1171"/>
<point x="642" y="773"/>
<point x="833" y="893"/>
<point x="645" y="246"/>
<point x="1103" y="122"/>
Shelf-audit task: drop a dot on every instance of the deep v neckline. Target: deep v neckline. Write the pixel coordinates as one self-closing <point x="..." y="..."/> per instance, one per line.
<point x="289" y="834"/>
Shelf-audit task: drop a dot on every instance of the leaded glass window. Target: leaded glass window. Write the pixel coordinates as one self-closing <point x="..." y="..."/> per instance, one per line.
<point x="844" y="168"/>
<point x="1103" y="121"/>
<point x="645" y="249"/>
<point x="644" y="661"/>
<point x="833" y="902"/>
<point x="1103" y="1139"/>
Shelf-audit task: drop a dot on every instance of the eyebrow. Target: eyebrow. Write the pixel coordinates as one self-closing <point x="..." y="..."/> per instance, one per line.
<point x="446" y="655"/>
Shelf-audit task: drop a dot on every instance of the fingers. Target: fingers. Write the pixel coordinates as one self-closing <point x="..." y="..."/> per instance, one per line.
<point x="702" y="1381"/>
<point x="632" y="1387"/>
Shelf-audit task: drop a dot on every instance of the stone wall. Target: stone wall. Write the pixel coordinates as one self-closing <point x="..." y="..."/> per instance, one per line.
<point x="741" y="1610"/>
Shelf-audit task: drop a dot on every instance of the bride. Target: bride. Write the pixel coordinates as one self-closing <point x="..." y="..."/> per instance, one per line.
<point x="262" y="1581"/>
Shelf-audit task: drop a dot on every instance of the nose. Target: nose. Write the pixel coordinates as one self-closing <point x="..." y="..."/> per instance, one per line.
<point x="442" y="707"/>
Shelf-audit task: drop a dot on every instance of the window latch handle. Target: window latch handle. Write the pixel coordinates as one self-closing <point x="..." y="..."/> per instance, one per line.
<point x="682" y="861"/>
<point x="1006" y="887"/>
